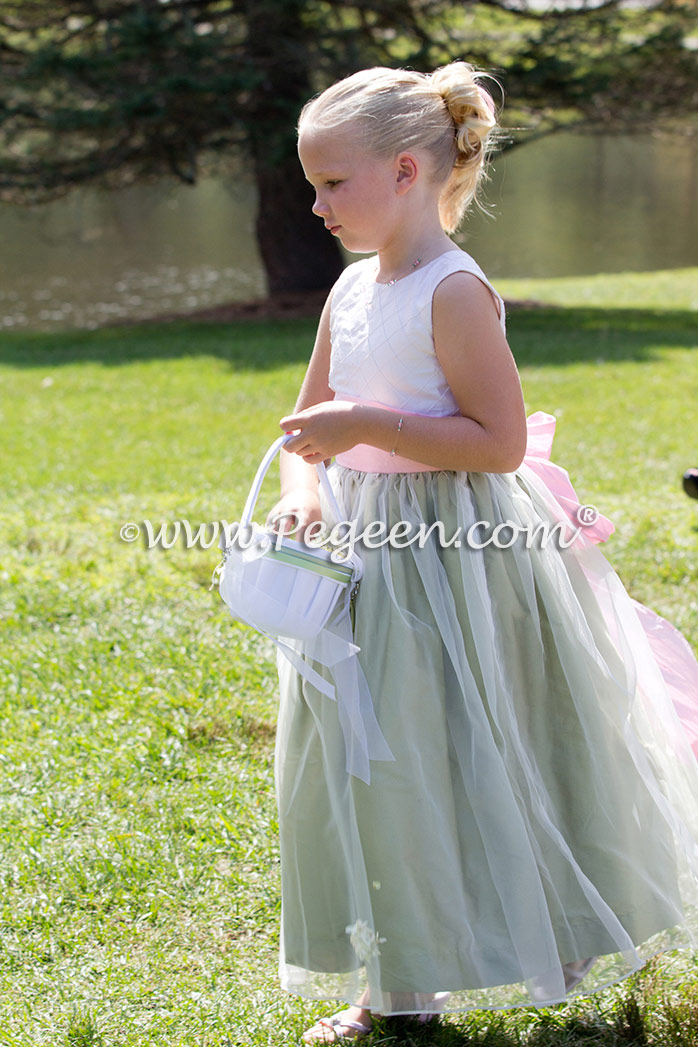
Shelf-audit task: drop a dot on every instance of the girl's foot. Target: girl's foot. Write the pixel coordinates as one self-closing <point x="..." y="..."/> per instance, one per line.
<point x="351" y="1024"/>
<point x="574" y="972"/>
<point x="438" y="1002"/>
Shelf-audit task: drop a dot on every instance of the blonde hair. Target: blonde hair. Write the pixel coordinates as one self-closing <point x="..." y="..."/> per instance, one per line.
<point x="447" y="113"/>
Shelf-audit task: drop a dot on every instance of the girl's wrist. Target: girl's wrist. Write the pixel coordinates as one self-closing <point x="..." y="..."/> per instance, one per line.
<point x="296" y="475"/>
<point x="299" y="492"/>
<point x="382" y="428"/>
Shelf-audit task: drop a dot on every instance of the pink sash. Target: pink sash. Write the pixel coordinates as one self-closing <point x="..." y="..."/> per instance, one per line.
<point x="367" y="459"/>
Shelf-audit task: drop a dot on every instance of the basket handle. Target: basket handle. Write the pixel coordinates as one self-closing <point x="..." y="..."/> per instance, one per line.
<point x="262" y="472"/>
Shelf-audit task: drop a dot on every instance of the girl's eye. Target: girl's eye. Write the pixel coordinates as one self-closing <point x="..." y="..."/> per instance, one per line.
<point x="332" y="182"/>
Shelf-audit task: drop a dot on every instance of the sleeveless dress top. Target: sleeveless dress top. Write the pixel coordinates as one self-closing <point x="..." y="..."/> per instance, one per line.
<point x="371" y="357"/>
<point x="372" y="361"/>
<point x="536" y="817"/>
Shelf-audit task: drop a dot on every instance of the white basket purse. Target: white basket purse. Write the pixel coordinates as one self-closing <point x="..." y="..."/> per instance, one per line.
<point x="278" y="585"/>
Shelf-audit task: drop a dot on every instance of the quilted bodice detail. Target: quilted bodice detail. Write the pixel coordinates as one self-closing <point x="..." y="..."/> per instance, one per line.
<point x="382" y="337"/>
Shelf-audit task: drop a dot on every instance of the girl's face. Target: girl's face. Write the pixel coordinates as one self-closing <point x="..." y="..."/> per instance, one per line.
<point x="357" y="193"/>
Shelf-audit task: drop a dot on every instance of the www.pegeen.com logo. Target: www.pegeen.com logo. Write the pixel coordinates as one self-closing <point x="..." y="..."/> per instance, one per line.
<point x="345" y="536"/>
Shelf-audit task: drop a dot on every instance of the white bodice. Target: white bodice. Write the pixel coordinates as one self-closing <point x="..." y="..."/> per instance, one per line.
<point x="382" y="336"/>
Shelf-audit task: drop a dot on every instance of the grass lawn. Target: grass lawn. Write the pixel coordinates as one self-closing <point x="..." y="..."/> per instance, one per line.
<point x="139" y="864"/>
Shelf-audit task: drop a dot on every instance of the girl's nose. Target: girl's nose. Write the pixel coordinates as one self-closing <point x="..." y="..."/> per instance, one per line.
<point x="320" y="207"/>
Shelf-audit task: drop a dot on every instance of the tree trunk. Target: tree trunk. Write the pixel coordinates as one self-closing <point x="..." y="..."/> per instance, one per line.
<point x="297" y="251"/>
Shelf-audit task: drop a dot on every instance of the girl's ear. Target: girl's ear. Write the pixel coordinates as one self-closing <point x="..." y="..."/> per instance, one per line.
<point x="407" y="170"/>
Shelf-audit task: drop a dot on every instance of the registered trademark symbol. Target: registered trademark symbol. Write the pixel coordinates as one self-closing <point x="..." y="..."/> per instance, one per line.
<point x="587" y="515"/>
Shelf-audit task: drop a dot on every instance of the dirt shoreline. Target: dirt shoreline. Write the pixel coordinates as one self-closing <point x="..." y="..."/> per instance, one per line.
<point x="288" y="306"/>
<point x="279" y="307"/>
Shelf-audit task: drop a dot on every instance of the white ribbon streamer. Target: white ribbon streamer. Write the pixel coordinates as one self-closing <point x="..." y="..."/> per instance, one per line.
<point x="334" y="649"/>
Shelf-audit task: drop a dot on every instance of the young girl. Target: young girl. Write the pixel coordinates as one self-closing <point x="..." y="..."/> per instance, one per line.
<point x="529" y="818"/>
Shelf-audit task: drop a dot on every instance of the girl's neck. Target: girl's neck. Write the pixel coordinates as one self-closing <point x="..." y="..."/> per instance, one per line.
<point x="408" y="252"/>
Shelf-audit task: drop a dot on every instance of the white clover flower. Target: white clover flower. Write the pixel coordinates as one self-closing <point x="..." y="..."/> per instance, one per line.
<point x="364" y="940"/>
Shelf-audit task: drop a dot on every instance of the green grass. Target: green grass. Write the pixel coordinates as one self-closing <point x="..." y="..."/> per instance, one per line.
<point x="138" y="858"/>
<point x="667" y="289"/>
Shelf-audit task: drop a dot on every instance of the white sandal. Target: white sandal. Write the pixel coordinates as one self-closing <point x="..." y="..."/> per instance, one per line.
<point x="330" y="1030"/>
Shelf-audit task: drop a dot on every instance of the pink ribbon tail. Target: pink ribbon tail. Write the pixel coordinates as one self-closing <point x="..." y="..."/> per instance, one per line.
<point x="592" y="526"/>
<point x="677" y="665"/>
<point x="670" y="650"/>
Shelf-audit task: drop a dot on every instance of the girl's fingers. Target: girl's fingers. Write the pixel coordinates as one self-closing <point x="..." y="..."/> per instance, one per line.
<point x="287" y="523"/>
<point x="292" y="430"/>
<point x="293" y="446"/>
<point x="300" y="445"/>
<point x="280" y="518"/>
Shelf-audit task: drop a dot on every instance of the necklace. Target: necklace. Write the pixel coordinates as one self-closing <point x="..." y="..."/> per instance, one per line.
<point x="395" y="279"/>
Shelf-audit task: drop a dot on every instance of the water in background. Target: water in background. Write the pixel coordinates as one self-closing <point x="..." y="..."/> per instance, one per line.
<point x="567" y="205"/>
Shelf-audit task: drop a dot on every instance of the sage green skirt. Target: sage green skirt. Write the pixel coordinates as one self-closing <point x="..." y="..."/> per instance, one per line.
<point x="540" y="809"/>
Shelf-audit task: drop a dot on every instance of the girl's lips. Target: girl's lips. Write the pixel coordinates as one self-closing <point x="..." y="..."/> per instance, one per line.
<point x="334" y="229"/>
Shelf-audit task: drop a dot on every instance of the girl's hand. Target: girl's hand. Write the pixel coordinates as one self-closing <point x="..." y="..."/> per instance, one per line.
<point x="323" y="430"/>
<point x="294" y="512"/>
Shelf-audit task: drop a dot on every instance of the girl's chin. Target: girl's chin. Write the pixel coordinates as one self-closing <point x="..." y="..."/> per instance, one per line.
<point x="355" y="245"/>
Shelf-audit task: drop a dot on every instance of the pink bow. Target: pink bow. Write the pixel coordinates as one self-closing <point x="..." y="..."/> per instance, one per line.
<point x="592" y="526"/>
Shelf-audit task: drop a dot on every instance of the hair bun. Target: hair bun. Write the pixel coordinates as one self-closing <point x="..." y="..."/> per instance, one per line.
<point x="471" y="107"/>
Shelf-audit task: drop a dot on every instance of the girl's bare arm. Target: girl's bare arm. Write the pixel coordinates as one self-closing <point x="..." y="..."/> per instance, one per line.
<point x="489" y="434"/>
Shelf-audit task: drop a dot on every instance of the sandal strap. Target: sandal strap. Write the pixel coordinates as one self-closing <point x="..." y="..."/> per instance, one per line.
<point x="339" y="1020"/>
<point x="351" y="1025"/>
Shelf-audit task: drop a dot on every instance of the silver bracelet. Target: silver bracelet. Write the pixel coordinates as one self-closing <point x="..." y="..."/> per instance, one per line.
<point x="397" y="436"/>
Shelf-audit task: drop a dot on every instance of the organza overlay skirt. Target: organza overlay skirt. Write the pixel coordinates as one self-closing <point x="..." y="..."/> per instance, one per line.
<point x="540" y="808"/>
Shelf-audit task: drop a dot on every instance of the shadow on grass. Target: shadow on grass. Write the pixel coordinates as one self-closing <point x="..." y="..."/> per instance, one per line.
<point x="632" y="1023"/>
<point x="548" y="335"/>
